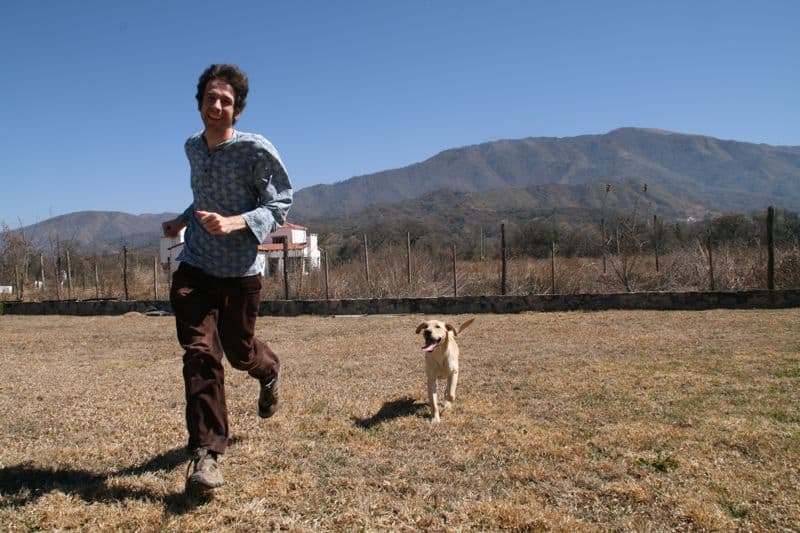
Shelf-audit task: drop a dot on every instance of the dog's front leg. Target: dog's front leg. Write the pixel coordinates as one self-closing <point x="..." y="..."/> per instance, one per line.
<point x="432" y="400"/>
<point x="452" y="381"/>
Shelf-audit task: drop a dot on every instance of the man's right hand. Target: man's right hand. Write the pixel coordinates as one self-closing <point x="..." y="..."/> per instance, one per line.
<point x="172" y="228"/>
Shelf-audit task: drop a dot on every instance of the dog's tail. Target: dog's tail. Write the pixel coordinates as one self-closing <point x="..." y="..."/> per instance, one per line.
<point x="466" y="324"/>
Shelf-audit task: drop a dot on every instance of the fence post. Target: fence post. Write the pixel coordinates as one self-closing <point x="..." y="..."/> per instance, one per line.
<point x="155" y="278"/>
<point x="655" y="239"/>
<point x="504" y="265"/>
<point x="771" y="248"/>
<point x="58" y="277"/>
<point x="69" y="276"/>
<point x="16" y="281"/>
<point x="553" y="267"/>
<point x="125" y="270"/>
<point x="41" y="265"/>
<point x="327" y="292"/>
<point x="408" y="255"/>
<point x="285" y="269"/>
<point x="455" y="280"/>
<point x="366" y="262"/>
<point x="96" y="281"/>
<point x="710" y="263"/>
<point x="603" y="244"/>
<point x="482" y="244"/>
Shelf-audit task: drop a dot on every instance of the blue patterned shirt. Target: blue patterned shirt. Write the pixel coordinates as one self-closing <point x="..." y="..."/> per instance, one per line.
<point x="241" y="176"/>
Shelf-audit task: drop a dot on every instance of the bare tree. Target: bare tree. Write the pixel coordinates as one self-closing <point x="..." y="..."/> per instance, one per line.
<point x="627" y="242"/>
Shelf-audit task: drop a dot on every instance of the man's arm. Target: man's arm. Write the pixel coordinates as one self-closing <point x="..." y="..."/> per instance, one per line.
<point x="172" y="228"/>
<point x="216" y="224"/>
<point x="275" y="195"/>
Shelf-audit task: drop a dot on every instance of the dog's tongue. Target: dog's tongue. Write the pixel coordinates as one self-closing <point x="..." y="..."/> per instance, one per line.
<point x="429" y="347"/>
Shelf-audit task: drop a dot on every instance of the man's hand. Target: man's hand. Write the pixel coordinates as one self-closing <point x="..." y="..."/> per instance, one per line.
<point x="172" y="228"/>
<point x="216" y="224"/>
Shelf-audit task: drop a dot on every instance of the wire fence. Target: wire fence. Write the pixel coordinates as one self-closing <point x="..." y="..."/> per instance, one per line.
<point x="624" y="263"/>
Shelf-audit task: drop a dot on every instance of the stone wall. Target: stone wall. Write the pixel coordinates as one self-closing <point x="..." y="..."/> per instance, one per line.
<point x="690" y="301"/>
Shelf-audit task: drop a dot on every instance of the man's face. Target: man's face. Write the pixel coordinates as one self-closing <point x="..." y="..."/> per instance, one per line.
<point x="217" y="108"/>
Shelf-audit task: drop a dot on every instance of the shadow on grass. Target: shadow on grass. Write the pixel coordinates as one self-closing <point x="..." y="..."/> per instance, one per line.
<point x="390" y="410"/>
<point x="25" y="483"/>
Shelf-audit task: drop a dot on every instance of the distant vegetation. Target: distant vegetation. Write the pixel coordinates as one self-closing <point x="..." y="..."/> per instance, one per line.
<point x="633" y="209"/>
<point x="625" y="260"/>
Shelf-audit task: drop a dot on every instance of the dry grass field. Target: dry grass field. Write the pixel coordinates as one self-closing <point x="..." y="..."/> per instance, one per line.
<point x="640" y="421"/>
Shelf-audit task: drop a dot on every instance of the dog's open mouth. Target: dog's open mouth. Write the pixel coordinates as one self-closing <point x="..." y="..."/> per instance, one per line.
<point x="430" y="345"/>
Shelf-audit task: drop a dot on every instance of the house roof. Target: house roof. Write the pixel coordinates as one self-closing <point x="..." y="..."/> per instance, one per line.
<point x="278" y="246"/>
<point x="289" y="225"/>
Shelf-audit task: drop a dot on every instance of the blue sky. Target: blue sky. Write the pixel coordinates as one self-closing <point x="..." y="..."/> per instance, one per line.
<point x="99" y="96"/>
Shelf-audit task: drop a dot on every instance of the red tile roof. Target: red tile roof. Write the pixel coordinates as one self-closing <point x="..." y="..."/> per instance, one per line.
<point x="278" y="246"/>
<point x="293" y="226"/>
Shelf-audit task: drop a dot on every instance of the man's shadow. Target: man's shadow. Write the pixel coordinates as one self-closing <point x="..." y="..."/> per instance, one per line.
<point x="406" y="406"/>
<point x="24" y="483"/>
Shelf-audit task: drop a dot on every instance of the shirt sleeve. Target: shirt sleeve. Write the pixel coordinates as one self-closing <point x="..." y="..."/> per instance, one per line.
<point x="274" y="193"/>
<point x="187" y="214"/>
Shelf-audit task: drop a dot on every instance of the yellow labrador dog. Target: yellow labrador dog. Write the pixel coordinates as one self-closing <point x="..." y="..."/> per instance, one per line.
<point x="441" y="360"/>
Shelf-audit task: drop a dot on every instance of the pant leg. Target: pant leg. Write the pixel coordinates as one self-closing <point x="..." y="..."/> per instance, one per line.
<point x="236" y="327"/>
<point x="195" y="300"/>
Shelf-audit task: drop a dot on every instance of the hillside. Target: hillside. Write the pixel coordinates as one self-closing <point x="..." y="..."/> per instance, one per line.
<point x="98" y="231"/>
<point x="453" y="212"/>
<point x="722" y="175"/>
<point x="557" y="179"/>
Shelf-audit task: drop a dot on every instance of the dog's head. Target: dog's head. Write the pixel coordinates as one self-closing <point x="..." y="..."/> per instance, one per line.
<point x="434" y="332"/>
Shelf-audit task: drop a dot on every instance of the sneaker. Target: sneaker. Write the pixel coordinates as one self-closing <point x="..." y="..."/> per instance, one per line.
<point x="206" y="474"/>
<point x="268" y="397"/>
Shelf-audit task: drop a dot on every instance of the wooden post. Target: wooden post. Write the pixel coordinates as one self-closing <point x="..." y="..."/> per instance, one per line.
<point x="41" y="263"/>
<point x="69" y="276"/>
<point x="482" y="244"/>
<point x="553" y="268"/>
<point x="771" y="248"/>
<point x="16" y="282"/>
<point x="455" y="279"/>
<point x="58" y="277"/>
<point x="710" y="264"/>
<point x="24" y="278"/>
<point x="327" y="292"/>
<point x="96" y="281"/>
<point x="155" y="278"/>
<point x="408" y="255"/>
<point x="83" y="276"/>
<point x="366" y="261"/>
<point x="285" y="269"/>
<point x="655" y="239"/>
<point x="125" y="270"/>
<point x="503" y="260"/>
<point x="603" y="245"/>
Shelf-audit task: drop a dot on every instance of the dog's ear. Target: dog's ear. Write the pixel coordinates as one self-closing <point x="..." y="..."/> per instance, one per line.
<point x="451" y="328"/>
<point x="421" y="327"/>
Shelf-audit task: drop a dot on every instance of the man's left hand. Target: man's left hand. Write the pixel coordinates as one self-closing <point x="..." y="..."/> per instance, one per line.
<point x="216" y="224"/>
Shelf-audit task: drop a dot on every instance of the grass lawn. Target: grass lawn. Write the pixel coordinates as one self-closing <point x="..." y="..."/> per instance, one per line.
<point x="563" y="421"/>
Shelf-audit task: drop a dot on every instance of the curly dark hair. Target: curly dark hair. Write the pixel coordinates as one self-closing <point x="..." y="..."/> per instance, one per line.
<point x="230" y="74"/>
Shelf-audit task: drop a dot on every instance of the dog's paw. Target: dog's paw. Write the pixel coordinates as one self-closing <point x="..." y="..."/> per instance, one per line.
<point x="446" y="406"/>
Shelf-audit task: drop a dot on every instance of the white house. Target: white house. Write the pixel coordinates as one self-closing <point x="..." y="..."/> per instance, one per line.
<point x="170" y="248"/>
<point x="302" y="247"/>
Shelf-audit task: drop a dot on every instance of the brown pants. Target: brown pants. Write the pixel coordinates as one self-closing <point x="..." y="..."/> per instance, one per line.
<point x="215" y="316"/>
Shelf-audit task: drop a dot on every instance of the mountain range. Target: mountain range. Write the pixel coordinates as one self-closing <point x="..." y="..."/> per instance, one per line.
<point x="557" y="178"/>
<point x="720" y="175"/>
